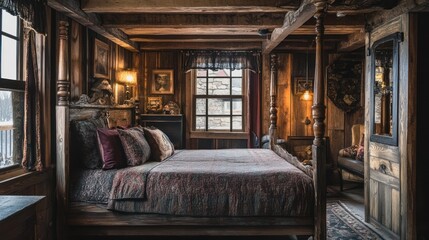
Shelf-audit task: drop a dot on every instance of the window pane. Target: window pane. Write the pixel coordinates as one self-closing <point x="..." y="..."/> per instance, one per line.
<point x="237" y="107"/>
<point x="201" y="73"/>
<point x="219" y="86"/>
<point x="9" y="23"/>
<point x="200" y="123"/>
<point x="219" y="123"/>
<point x="201" y="86"/>
<point x="237" y="88"/>
<point x="200" y="108"/>
<point x="237" y="73"/>
<point x="219" y="106"/>
<point x="11" y="127"/>
<point x="237" y="123"/>
<point x="215" y="73"/>
<point x="8" y="58"/>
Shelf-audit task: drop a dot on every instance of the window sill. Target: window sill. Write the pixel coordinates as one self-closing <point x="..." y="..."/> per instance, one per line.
<point x="18" y="179"/>
<point x="219" y="135"/>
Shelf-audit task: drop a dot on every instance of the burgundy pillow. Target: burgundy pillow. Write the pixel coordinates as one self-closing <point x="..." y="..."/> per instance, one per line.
<point x="111" y="150"/>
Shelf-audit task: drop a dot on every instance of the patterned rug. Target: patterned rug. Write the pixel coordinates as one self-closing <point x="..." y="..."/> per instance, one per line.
<point x="342" y="224"/>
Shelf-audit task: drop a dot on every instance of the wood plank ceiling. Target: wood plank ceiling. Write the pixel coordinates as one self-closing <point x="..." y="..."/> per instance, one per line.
<point x="223" y="24"/>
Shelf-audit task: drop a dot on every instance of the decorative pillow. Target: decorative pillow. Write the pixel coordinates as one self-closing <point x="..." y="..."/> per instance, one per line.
<point x="135" y="145"/>
<point x="349" y="152"/>
<point x="111" y="150"/>
<point x="160" y="144"/>
<point x="84" y="146"/>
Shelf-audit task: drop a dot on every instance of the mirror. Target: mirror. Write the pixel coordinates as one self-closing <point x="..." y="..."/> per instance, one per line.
<point x="384" y="89"/>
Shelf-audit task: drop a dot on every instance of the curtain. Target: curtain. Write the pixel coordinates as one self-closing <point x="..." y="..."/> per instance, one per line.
<point x="31" y="11"/>
<point x="215" y="60"/>
<point x="254" y="97"/>
<point x="31" y="159"/>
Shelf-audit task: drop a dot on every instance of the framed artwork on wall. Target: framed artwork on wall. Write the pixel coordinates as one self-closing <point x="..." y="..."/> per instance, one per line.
<point x="302" y="84"/>
<point x="162" y="81"/>
<point x="154" y="104"/>
<point x="101" y="59"/>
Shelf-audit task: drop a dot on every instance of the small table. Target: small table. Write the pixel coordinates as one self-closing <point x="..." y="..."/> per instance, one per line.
<point x="18" y="216"/>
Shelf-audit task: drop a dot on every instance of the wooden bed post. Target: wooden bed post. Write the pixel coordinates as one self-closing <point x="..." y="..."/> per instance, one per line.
<point x="62" y="129"/>
<point x="318" y="111"/>
<point x="273" y="100"/>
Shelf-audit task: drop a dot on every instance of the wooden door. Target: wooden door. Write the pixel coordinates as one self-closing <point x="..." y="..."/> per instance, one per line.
<point x="386" y="125"/>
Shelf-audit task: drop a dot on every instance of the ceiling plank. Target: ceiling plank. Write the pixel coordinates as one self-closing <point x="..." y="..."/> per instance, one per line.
<point x="242" y="31"/>
<point x="271" y="20"/>
<point x="200" y="46"/>
<point x="353" y="42"/>
<point x="293" y="20"/>
<point x="191" y="31"/>
<point x="189" y="6"/>
<point x="71" y="8"/>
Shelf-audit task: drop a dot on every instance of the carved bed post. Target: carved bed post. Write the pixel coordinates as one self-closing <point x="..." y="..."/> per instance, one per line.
<point x="273" y="100"/>
<point x="318" y="111"/>
<point x="62" y="129"/>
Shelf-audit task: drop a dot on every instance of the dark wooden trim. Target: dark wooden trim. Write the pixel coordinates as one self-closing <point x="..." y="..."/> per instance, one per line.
<point x="62" y="129"/>
<point x="71" y="8"/>
<point x="273" y="102"/>
<point x="318" y="112"/>
<point x="293" y="20"/>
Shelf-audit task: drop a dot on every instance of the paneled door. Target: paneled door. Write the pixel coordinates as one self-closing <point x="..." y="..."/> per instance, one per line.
<point x="385" y="118"/>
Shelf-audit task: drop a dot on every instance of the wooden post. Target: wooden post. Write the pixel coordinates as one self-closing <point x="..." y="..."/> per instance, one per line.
<point x="273" y="100"/>
<point x="62" y="129"/>
<point x="318" y="111"/>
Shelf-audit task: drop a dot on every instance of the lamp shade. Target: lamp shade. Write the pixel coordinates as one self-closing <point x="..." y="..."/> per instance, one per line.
<point x="127" y="77"/>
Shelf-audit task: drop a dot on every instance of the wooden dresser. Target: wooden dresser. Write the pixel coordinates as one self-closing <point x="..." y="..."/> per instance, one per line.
<point x="18" y="216"/>
<point x="170" y="124"/>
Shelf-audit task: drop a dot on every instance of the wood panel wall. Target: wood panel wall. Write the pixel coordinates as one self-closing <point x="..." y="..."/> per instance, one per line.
<point x="292" y="111"/>
<point x="81" y="40"/>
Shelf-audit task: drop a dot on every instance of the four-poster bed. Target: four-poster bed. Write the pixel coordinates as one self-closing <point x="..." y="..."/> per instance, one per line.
<point x="79" y="219"/>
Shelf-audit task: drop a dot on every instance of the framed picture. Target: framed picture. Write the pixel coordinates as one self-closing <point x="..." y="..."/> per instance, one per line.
<point x="154" y="104"/>
<point x="302" y="84"/>
<point x="101" y="59"/>
<point x="162" y="81"/>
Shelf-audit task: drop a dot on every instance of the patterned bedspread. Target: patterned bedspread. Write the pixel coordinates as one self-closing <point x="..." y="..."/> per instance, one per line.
<point x="227" y="182"/>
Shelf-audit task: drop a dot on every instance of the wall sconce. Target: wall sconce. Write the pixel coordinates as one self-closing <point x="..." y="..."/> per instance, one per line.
<point x="128" y="77"/>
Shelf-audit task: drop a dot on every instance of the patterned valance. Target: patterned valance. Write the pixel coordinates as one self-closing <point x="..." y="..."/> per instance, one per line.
<point x="31" y="11"/>
<point x="215" y="60"/>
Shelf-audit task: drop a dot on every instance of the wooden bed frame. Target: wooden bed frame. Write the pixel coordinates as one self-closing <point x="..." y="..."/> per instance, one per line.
<point x="92" y="220"/>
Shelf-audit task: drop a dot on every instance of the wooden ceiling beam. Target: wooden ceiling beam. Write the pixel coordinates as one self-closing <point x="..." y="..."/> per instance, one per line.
<point x="188" y="6"/>
<point x="256" y="20"/>
<point x="353" y="42"/>
<point x="307" y="39"/>
<point x="200" y="46"/>
<point x="71" y="8"/>
<point x="293" y="20"/>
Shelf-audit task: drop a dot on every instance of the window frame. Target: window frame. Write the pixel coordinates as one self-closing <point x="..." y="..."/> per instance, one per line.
<point x="226" y="134"/>
<point x="18" y="84"/>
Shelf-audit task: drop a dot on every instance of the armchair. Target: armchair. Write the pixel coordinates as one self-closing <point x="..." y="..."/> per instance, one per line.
<point x="351" y="158"/>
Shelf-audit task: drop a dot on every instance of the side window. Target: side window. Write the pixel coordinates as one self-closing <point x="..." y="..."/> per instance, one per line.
<point x="11" y="92"/>
<point x="219" y="100"/>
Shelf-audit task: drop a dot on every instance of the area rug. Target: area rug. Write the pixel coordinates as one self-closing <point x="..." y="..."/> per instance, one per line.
<point x="343" y="224"/>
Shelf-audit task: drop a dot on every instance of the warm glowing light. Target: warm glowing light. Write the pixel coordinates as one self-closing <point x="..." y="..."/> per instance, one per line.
<point x="307" y="96"/>
<point x="127" y="77"/>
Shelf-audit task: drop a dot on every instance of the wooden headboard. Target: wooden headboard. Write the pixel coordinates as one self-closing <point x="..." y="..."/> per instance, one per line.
<point x="115" y="115"/>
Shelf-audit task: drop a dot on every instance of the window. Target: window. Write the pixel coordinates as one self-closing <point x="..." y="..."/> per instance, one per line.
<point x="11" y="92"/>
<point x="218" y="100"/>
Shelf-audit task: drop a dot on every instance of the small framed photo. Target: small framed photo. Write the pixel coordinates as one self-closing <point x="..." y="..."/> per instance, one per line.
<point x="162" y="81"/>
<point x="101" y="59"/>
<point x="154" y="104"/>
<point x="302" y="84"/>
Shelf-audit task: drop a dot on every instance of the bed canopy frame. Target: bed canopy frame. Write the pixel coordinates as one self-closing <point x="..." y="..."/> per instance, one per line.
<point x="109" y="223"/>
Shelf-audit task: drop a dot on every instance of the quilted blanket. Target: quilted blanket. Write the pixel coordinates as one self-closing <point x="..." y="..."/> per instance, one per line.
<point x="227" y="182"/>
